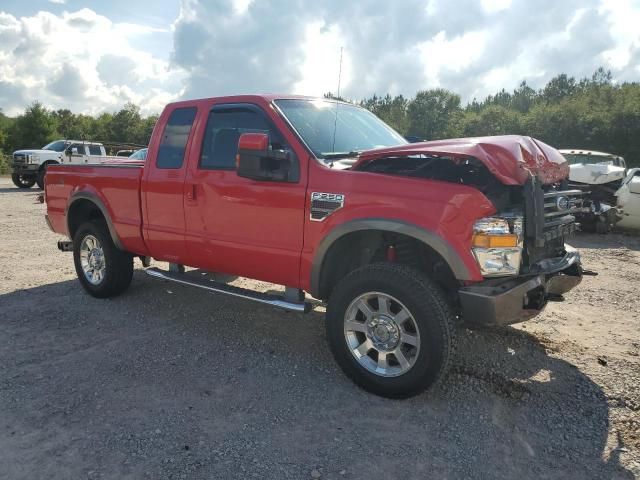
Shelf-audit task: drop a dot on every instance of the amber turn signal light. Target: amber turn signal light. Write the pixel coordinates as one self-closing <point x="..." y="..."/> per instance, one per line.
<point x="483" y="240"/>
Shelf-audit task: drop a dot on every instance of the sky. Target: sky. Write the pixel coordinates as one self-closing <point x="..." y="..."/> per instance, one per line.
<point x="94" y="56"/>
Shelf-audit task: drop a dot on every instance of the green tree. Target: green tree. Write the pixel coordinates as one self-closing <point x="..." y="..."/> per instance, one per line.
<point x="73" y="126"/>
<point x="558" y="88"/>
<point x="491" y="120"/>
<point x="126" y="125"/>
<point x="392" y="110"/>
<point x="34" y="128"/>
<point x="432" y="114"/>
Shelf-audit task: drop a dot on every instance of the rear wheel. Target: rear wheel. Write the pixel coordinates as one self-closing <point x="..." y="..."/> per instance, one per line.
<point x="23" y="181"/>
<point x="103" y="269"/>
<point x="390" y="329"/>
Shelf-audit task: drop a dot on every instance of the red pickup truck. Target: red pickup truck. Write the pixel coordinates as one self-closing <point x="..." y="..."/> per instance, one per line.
<point x="402" y="241"/>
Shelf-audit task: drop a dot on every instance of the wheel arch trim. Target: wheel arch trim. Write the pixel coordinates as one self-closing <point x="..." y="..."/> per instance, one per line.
<point x="46" y="163"/>
<point x="93" y="198"/>
<point x="429" y="238"/>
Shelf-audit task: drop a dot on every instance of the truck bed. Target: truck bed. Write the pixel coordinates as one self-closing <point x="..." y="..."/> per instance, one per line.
<point x="115" y="185"/>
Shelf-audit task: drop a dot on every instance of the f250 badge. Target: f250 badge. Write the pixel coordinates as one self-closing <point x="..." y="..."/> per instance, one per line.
<point x="324" y="204"/>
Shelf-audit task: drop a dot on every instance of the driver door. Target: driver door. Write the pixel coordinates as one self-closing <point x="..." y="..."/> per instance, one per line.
<point x="238" y="225"/>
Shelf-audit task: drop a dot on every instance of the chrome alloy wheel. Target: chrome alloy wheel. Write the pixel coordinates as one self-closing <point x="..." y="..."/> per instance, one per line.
<point x="92" y="260"/>
<point x="382" y="334"/>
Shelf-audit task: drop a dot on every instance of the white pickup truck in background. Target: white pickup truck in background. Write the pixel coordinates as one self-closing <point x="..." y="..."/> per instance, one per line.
<point x="29" y="166"/>
<point x="599" y="175"/>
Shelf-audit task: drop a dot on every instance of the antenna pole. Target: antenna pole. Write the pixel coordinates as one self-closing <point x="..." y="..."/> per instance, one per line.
<point x="335" y="120"/>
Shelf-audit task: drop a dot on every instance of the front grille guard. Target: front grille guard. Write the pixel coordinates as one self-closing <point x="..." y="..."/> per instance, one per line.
<point x="550" y="215"/>
<point x="20" y="159"/>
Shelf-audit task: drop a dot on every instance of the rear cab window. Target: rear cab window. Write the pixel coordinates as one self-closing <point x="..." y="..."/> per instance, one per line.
<point x="174" y="138"/>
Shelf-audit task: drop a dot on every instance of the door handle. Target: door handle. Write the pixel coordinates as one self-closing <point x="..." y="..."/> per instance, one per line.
<point x="191" y="192"/>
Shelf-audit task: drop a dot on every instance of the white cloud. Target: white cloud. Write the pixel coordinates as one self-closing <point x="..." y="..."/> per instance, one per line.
<point x="473" y="48"/>
<point x="623" y="18"/>
<point x="493" y="6"/>
<point x="58" y="2"/>
<point x="71" y="61"/>
<point x="320" y="67"/>
<point x="87" y="62"/>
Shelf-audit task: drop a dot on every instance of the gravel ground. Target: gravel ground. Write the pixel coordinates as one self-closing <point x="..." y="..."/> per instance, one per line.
<point x="170" y="382"/>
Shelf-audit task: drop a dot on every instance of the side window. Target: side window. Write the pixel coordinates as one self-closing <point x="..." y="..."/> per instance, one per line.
<point x="95" y="150"/>
<point x="174" y="138"/>
<point x="79" y="147"/>
<point x="224" y="127"/>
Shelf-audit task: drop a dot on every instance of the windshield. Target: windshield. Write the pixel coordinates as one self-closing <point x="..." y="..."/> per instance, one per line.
<point x="57" y="146"/>
<point x="356" y="129"/>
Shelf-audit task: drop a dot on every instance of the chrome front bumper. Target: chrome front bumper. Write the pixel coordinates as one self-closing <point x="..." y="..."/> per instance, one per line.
<point x="513" y="300"/>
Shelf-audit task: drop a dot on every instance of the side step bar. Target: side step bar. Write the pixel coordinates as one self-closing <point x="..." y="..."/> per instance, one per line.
<point x="65" y="246"/>
<point x="216" y="287"/>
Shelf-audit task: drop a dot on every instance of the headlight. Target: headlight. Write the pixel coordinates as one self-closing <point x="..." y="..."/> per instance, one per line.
<point x="34" y="158"/>
<point x="497" y="245"/>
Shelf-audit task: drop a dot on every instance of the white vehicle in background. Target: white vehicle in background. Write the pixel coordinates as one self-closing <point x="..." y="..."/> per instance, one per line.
<point x="628" y="200"/>
<point x="30" y="166"/>
<point x="600" y="174"/>
<point x="139" y="154"/>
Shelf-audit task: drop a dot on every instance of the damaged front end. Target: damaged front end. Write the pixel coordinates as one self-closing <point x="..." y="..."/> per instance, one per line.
<point x="521" y="249"/>
<point x="599" y="176"/>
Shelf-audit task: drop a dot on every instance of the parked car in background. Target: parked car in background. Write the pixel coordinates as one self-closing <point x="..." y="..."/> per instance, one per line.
<point x="402" y="240"/>
<point x="600" y="174"/>
<point x="628" y="200"/>
<point x="139" y="155"/>
<point x="124" y="153"/>
<point x="29" y="166"/>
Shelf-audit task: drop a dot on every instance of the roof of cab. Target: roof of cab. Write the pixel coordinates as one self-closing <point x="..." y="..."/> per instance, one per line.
<point x="264" y="97"/>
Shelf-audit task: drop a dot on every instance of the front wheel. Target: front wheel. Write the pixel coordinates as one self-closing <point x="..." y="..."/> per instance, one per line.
<point x="23" y="181"/>
<point x="390" y="329"/>
<point x="103" y="269"/>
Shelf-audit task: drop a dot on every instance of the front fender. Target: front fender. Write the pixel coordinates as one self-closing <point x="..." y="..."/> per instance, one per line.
<point x="429" y="238"/>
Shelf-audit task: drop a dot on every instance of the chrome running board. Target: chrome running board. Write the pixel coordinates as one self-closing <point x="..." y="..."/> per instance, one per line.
<point x="217" y="287"/>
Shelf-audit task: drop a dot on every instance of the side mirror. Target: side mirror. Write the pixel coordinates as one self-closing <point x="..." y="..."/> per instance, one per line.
<point x="71" y="151"/>
<point x="257" y="161"/>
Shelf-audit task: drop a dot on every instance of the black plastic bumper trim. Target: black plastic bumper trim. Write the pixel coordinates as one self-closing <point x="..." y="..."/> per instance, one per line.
<point x="515" y="300"/>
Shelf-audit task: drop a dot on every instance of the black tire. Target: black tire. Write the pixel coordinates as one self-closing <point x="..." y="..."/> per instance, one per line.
<point x="429" y="309"/>
<point x="40" y="177"/>
<point x="42" y="172"/>
<point x="118" y="265"/>
<point x="23" y="181"/>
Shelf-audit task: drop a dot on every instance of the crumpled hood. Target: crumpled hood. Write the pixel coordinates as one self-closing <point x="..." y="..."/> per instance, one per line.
<point x="48" y="153"/>
<point x="510" y="158"/>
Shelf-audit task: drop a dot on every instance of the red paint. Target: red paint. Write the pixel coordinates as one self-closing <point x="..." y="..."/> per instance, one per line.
<point x="391" y="254"/>
<point x="253" y="141"/>
<point x="511" y="158"/>
<point x="215" y="220"/>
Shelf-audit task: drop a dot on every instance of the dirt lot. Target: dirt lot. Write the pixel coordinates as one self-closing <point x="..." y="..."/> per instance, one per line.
<point x="170" y="382"/>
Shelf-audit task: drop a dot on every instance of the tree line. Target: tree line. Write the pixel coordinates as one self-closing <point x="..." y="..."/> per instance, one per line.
<point x="591" y="113"/>
<point x="38" y="126"/>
